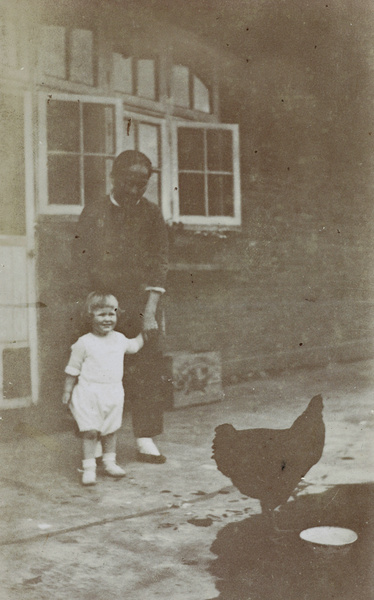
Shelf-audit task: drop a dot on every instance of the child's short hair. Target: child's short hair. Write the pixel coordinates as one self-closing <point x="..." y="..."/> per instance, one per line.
<point x="97" y="300"/>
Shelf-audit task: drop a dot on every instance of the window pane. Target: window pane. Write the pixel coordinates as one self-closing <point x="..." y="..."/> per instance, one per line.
<point x="63" y="126"/>
<point x="221" y="195"/>
<point x="96" y="178"/>
<point x="200" y="95"/>
<point x="9" y="44"/>
<point x="122" y="74"/>
<point x="53" y="52"/>
<point x="146" y="79"/>
<point x="108" y="171"/>
<point x="63" y="180"/>
<point x="153" y="189"/>
<point x="12" y="166"/>
<point x="98" y="128"/>
<point x="148" y="142"/>
<point x="180" y="88"/>
<point x="191" y="194"/>
<point x="81" y="51"/>
<point x="190" y="149"/>
<point x="4" y="42"/>
<point x="219" y="143"/>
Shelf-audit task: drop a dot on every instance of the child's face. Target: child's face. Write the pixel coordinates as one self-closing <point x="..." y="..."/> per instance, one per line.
<point x="104" y="320"/>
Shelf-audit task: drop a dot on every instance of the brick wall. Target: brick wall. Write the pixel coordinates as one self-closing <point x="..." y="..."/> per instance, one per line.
<point x="291" y="289"/>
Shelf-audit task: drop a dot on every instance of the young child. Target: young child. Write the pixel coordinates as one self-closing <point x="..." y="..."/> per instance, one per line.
<point x="93" y="385"/>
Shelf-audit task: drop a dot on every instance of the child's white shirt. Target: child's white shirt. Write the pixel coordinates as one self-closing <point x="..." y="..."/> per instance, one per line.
<point x="99" y="359"/>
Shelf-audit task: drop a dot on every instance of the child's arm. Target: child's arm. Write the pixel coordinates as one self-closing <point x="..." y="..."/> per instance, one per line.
<point x="135" y="344"/>
<point x="70" y="381"/>
<point x="73" y="369"/>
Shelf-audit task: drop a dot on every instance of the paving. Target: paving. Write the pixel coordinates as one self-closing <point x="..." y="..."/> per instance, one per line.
<point x="181" y="530"/>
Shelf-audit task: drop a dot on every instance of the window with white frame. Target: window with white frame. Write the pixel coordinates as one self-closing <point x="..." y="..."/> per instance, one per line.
<point x="79" y="140"/>
<point x="195" y="176"/>
<point x="68" y="54"/>
<point x="12" y="56"/>
<point x="148" y="135"/>
<point x="188" y="91"/>
<point x="135" y="76"/>
<point x="195" y="179"/>
<point x="206" y="174"/>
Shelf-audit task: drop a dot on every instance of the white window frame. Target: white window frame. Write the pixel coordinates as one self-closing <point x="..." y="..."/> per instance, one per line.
<point x="165" y="170"/>
<point x="208" y="222"/>
<point x="69" y="209"/>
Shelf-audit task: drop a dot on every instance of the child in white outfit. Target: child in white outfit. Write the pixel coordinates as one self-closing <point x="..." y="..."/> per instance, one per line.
<point x="93" y="385"/>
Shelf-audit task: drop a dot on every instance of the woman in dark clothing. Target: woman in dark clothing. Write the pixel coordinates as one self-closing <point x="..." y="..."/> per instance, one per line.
<point x="122" y="248"/>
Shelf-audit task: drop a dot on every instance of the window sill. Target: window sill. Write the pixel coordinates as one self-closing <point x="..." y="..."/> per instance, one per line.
<point x="201" y="267"/>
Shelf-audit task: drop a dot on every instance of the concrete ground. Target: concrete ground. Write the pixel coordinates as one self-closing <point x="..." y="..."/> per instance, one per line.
<point x="181" y="530"/>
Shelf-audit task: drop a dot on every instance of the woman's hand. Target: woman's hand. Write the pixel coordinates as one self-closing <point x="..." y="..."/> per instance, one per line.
<point x="150" y="325"/>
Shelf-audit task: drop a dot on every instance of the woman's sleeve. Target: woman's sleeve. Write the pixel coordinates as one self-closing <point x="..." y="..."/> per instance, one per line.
<point x="157" y="250"/>
<point x="78" y="354"/>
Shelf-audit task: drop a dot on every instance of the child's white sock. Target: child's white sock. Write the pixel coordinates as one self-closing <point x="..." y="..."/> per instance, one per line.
<point x="147" y="446"/>
<point x="89" y="471"/>
<point x="109" y="457"/>
<point x="89" y="464"/>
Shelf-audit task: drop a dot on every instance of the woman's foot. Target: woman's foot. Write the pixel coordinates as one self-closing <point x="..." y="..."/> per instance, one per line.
<point x="148" y="451"/>
<point x="151" y="458"/>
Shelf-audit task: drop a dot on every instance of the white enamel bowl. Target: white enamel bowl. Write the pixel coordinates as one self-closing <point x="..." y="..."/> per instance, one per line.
<point x="329" y="541"/>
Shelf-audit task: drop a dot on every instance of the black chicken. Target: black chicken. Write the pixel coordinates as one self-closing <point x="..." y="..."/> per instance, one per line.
<point x="267" y="464"/>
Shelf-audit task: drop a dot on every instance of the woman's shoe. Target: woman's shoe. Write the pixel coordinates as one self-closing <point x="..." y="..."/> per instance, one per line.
<point x="158" y="459"/>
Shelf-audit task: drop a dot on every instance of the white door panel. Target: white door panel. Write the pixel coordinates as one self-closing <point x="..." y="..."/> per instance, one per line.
<point x="18" y="364"/>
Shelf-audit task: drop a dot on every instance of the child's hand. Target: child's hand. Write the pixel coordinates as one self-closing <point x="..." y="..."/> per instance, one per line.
<point x="66" y="397"/>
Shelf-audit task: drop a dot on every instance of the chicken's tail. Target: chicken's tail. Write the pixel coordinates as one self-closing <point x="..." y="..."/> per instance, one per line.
<point x="223" y="447"/>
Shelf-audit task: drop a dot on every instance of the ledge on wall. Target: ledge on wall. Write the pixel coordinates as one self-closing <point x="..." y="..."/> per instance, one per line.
<point x="201" y="267"/>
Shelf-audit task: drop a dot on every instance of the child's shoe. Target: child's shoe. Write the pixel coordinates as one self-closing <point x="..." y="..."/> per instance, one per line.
<point x="110" y="466"/>
<point x="89" y="471"/>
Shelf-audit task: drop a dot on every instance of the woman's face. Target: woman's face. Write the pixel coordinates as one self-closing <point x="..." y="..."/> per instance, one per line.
<point x="104" y="320"/>
<point x="131" y="183"/>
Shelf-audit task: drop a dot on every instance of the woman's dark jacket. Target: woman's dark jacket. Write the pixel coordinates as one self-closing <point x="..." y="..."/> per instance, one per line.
<point x="121" y="250"/>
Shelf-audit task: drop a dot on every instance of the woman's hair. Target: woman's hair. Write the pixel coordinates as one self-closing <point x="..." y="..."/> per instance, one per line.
<point x="128" y="158"/>
<point x="97" y="300"/>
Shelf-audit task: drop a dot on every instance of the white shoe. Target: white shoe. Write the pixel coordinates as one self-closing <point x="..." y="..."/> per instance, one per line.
<point x="147" y="446"/>
<point x="114" y="470"/>
<point x="89" y="477"/>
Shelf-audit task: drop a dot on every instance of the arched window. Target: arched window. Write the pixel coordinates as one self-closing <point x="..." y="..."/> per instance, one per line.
<point x="135" y="76"/>
<point x="12" y="53"/>
<point x="68" y="54"/>
<point x="188" y="91"/>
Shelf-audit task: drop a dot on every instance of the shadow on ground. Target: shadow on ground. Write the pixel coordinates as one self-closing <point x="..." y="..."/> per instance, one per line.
<point x="257" y="563"/>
